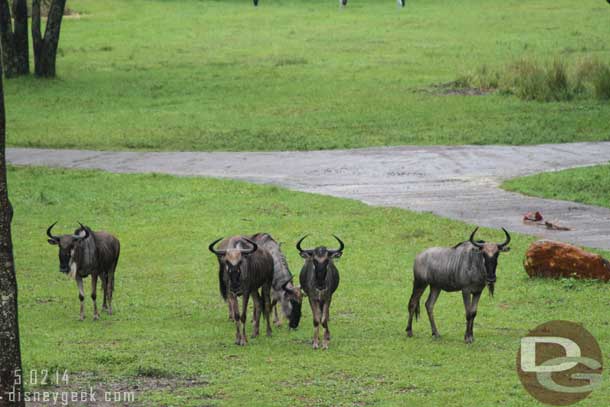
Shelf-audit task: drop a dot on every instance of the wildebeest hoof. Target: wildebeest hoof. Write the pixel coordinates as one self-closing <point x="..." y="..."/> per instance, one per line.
<point x="410" y="334"/>
<point x="269" y="333"/>
<point x="109" y="310"/>
<point x="277" y="324"/>
<point x="254" y="335"/>
<point x="436" y="336"/>
<point x="325" y="346"/>
<point x="469" y="339"/>
<point x="96" y="317"/>
<point x="315" y="345"/>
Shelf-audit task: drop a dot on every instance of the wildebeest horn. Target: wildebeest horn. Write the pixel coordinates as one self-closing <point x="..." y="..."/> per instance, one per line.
<point x="507" y="239"/>
<point x="299" y="248"/>
<point x="253" y="249"/>
<point x="480" y="246"/>
<point x="216" y="252"/>
<point x="341" y="246"/>
<point x="86" y="232"/>
<point x="49" y="232"/>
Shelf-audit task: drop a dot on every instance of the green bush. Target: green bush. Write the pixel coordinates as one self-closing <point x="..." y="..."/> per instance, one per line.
<point x="530" y="79"/>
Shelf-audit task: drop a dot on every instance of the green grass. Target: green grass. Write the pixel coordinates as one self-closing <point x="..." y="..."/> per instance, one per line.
<point x="588" y="185"/>
<point x="170" y="321"/>
<point x="223" y="75"/>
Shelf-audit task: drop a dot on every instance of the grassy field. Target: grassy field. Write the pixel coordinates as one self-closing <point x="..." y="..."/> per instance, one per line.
<point x="223" y="75"/>
<point x="170" y="322"/>
<point x="588" y="185"/>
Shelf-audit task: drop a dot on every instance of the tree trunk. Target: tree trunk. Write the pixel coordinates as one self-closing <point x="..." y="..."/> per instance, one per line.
<point x="14" y="39"/>
<point x="45" y="48"/>
<point x="11" y="387"/>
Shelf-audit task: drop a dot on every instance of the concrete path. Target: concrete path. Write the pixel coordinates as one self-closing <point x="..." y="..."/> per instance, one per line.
<point x="455" y="182"/>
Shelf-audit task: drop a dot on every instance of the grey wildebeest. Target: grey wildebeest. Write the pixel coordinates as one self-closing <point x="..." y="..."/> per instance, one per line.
<point x="319" y="279"/>
<point x="244" y="268"/>
<point x="466" y="267"/>
<point x="282" y="288"/>
<point x="88" y="253"/>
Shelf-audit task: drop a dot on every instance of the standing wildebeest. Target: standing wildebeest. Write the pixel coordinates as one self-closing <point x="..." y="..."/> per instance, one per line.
<point x="468" y="266"/>
<point x="88" y="253"/>
<point x="282" y="289"/>
<point x="243" y="269"/>
<point x="319" y="279"/>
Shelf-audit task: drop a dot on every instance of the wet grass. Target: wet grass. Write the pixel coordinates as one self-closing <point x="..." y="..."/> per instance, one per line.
<point x="170" y="322"/>
<point x="588" y="185"/>
<point x="299" y="75"/>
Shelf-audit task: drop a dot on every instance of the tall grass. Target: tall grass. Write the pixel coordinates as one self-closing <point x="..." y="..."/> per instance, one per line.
<point x="545" y="81"/>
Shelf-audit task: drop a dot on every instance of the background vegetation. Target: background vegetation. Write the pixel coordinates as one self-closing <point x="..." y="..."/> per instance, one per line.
<point x="223" y="75"/>
<point x="170" y="322"/>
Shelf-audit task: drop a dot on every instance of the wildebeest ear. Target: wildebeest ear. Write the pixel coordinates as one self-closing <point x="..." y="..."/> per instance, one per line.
<point x="505" y="249"/>
<point x="336" y="255"/>
<point x="52" y="241"/>
<point x="305" y="254"/>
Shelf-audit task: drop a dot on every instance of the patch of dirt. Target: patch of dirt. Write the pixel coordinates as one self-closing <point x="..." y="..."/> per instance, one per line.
<point x="88" y="390"/>
<point x="455" y="88"/>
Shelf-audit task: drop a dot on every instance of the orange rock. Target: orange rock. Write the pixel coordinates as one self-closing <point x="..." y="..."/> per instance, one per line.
<point x="548" y="258"/>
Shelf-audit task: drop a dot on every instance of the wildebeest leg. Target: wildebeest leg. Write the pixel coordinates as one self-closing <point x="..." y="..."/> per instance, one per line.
<point x="243" y="317"/>
<point x="471" y="313"/>
<point x="96" y="315"/>
<point x="267" y="306"/>
<point x="104" y="278"/>
<point x="418" y="290"/>
<point x="276" y="318"/>
<point x="325" y="318"/>
<point x="110" y="288"/>
<point x="81" y="296"/>
<point x="256" y="298"/>
<point x="233" y="304"/>
<point x="315" y="311"/>
<point x="231" y="310"/>
<point x="467" y="301"/>
<point x="434" y="293"/>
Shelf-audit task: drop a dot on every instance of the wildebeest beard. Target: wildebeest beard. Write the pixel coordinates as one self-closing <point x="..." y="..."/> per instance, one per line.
<point x="490" y="286"/>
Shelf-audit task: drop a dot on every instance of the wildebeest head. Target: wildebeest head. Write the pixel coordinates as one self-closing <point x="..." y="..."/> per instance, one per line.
<point x="67" y="245"/>
<point x="320" y="257"/>
<point x="232" y="260"/>
<point x="490" y="252"/>
<point x="291" y="307"/>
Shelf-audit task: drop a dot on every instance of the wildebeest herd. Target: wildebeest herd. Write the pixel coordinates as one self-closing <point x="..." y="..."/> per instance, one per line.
<point x="255" y="267"/>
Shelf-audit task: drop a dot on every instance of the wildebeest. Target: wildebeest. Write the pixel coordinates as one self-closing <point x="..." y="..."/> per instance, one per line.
<point x="319" y="280"/>
<point x="87" y="253"/>
<point x="466" y="267"/>
<point x="244" y="268"/>
<point x="282" y="288"/>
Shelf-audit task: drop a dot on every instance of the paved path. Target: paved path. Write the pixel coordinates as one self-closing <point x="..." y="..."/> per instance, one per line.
<point x="455" y="182"/>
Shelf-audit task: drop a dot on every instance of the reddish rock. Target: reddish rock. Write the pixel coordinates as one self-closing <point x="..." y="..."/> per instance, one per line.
<point x="548" y="258"/>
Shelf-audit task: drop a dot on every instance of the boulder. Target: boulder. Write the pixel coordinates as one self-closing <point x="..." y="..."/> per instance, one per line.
<point x="548" y="258"/>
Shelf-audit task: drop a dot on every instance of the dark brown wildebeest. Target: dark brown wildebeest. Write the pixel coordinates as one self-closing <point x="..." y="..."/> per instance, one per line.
<point x="466" y="267"/>
<point x="87" y="253"/>
<point x="282" y="288"/>
<point x="244" y="268"/>
<point x="319" y="280"/>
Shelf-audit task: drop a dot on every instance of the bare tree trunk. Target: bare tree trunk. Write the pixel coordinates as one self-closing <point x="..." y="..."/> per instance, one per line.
<point x="45" y="48"/>
<point x="11" y="387"/>
<point x="14" y="39"/>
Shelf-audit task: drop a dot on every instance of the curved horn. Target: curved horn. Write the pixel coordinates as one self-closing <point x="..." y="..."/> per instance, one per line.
<point x="50" y="234"/>
<point x="216" y="252"/>
<point x="472" y="239"/>
<point x="341" y="246"/>
<point x="502" y="245"/>
<point x="253" y="249"/>
<point x="85" y="229"/>
<point x="299" y="248"/>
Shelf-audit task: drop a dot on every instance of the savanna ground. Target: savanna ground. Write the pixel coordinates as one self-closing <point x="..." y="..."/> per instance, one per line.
<point x="223" y="75"/>
<point x="589" y="185"/>
<point x="170" y="323"/>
